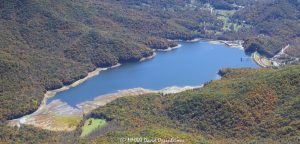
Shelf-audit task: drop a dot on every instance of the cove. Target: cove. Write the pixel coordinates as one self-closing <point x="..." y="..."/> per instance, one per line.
<point x="191" y="65"/>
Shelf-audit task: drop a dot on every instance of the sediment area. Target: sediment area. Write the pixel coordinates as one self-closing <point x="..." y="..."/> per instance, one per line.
<point x="170" y="48"/>
<point x="43" y="116"/>
<point x="232" y="44"/>
<point x="59" y="116"/>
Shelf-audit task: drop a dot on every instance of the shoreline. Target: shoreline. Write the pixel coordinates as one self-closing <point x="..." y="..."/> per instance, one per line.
<point x="169" y="48"/>
<point x="231" y="44"/>
<point x="258" y="62"/>
<point x="102" y="100"/>
<point x="91" y="74"/>
<point x="97" y="71"/>
<point x="45" y="117"/>
<point x="52" y="93"/>
<point x="149" y="57"/>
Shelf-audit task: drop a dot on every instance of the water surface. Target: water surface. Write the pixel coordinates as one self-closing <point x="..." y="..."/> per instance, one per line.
<point x="190" y="65"/>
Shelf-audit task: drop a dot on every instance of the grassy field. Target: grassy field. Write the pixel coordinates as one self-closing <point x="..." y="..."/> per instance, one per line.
<point x="90" y="125"/>
<point x="224" y="15"/>
<point x="72" y="121"/>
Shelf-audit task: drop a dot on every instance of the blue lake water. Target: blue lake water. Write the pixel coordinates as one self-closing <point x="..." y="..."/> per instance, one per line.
<point x="191" y="65"/>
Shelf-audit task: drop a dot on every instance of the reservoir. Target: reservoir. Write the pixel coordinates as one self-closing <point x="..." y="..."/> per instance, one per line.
<point x="191" y="65"/>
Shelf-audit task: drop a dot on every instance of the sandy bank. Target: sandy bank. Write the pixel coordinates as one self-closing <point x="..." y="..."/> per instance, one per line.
<point x="43" y="116"/>
<point x="231" y="44"/>
<point x="149" y="57"/>
<point x="176" y="89"/>
<point x="52" y="93"/>
<point x="27" y="119"/>
<point x="193" y="40"/>
<point x="59" y="116"/>
<point x="33" y="118"/>
<point x="56" y="116"/>
<point x="88" y="106"/>
<point x="170" y="48"/>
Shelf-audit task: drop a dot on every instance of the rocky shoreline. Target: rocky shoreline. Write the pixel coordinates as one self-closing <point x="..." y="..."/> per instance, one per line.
<point x="232" y="44"/>
<point x="59" y="116"/>
<point x="170" y="48"/>
<point x="149" y="57"/>
<point x="86" y="107"/>
<point x="52" y="93"/>
<point x="97" y="71"/>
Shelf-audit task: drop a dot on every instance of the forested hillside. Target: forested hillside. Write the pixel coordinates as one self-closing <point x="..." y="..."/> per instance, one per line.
<point x="274" y="25"/>
<point x="245" y="106"/>
<point x="47" y="44"/>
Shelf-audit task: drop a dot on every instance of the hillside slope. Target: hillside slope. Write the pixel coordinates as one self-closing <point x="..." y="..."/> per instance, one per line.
<point x="246" y="105"/>
<point x="47" y="44"/>
<point x="274" y="25"/>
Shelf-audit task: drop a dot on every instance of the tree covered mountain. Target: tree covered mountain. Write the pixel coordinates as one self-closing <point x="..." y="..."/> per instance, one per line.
<point x="245" y="106"/>
<point x="274" y="25"/>
<point x="47" y="44"/>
